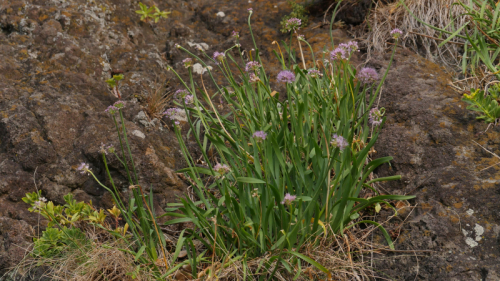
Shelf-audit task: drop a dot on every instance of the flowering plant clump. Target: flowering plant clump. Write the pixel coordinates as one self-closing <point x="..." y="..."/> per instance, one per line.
<point x="286" y="76"/>
<point x="312" y="146"/>
<point x="367" y="75"/>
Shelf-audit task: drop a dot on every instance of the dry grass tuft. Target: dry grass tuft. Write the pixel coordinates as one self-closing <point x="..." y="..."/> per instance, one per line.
<point x="418" y="37"/>
<point x="96" y="263"/>
<point x="157" y="99"/>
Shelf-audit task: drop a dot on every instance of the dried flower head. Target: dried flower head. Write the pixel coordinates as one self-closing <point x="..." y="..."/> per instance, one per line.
<point x="252" y="66"/>
<point x="286" y="76"/>
<point x="259" y="136"/>
<point x="339" y="141"/>
<point x="375" y="116"/>
<point x="218" y="57"/>
<point x="83" y="168"/>
<point x="188" y="62"/>
<point x="288" y="199"/>
<point x="367" y="75"/>
<point x="111" y="109"/>
<point x="102" y="149"/>
<point x="222" y="168"/>
<point x="253" y="78"/>
<point x="396" y="33"/>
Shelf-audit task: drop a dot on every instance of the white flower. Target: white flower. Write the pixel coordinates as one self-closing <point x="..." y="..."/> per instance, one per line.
<point x="221" y="14"/>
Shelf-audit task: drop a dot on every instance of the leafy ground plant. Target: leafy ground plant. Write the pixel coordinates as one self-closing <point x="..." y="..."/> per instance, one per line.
<point x="289" y="167"/>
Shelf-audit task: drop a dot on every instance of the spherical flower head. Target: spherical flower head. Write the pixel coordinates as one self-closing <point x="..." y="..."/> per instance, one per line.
<point x="292" y="24"/>
<point x="222" y="168"/>
<point x="286" y="76"/>
<point x="252" y="66"/>
<point x="177" y="46"/>
<point x="181" y="94"/>
<point x="111" y="109"/>
<point x="367" y="75"/>
<point x="218" y="57"/>
<point x="253" y="78"/>
<point x="375" y="116"/>
<point x="188" y="62"/>
<point x="189" y="99"/>
<point x="172" y="113"/>
<point x="259" y="136"/>
<point x="119" y="104"/>
<point x="340" y="53"/>
<point x="314" y="73"/>
<point x="102" y="149"/>
<point x="83" y="168"/>
<point x="288" y="199"/>
<point x="351" y="46"/>
<point x="339" y="141"/>
<point x="235" y="34"/>
<point x="250" y="10"/>
<point x="301" y="37"/>
<point x="396" y="33"/>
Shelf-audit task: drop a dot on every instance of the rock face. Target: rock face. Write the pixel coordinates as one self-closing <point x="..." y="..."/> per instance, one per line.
<point x="56" y="55"/>
<point x="454" y="229"/>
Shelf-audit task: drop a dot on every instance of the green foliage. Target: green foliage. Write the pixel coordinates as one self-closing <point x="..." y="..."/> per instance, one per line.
<point x="298" y="11"/>
<point x="242" y="212"/>
<point x="112" y="82"/>
<point x="151" y="13"/>
<point x="54" y="242"/>
<point x="487" y="105"/>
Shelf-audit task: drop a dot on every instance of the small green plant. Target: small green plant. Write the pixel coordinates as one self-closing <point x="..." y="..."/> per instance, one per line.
<point x="299" y="12"/>
<point x="486" y="104"/>
<point x="54" y="242"/>
<point x="151" y="13"/>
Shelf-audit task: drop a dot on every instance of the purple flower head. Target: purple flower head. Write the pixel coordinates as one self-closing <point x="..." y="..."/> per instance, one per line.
<point x="339" y="53"/>
<point x="222" y="168"/>
<point x="396" y="33"/>
<point x="119" y="104"/>
<point x="173" y="113"/>
<point x="375" y="116"/>
<point x="250" y="10"/>
<point x="259" y="136"/>
<point x="180" y="94"/>
<point x="102" y="149"/>
<point x="286" y="76"/>
<point x="301" y="37"/>
<point x="189" y="99"/>
<point x="188" y="62"/>
<point x="111" y="109"/>
<point x="83" y="168"/>
<point x="218" y="57"/>
<point x="253" y="78"/>
<point x="351" y="46"/>
<point x="367" y="75"/>
<point x="235" y="34"/>
<point x="177" y="124"/>
<point x="252" y="66"/>
<point x="292" y="24"/>
<point x="288" y="199"/>
<point x="314" y="73"/>
<point x="339" y="141"/>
